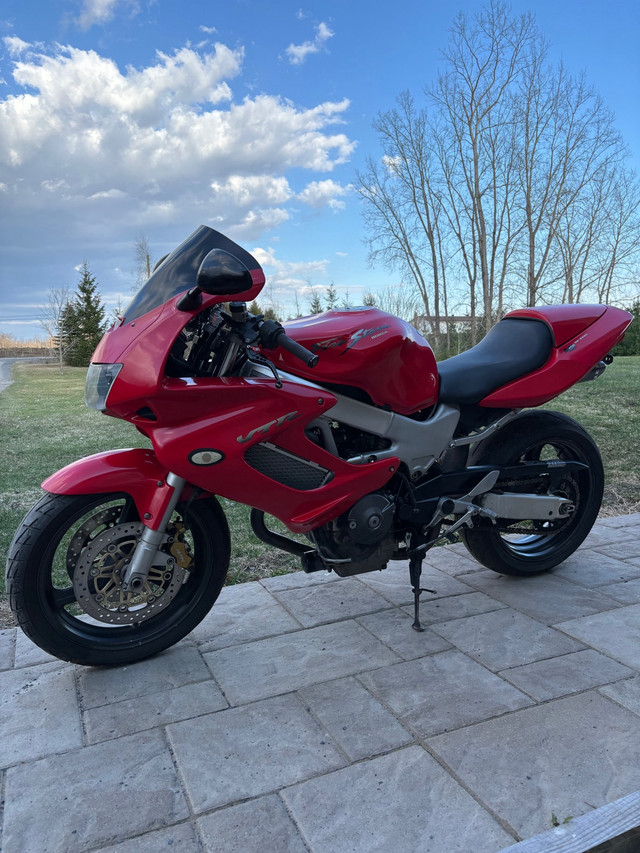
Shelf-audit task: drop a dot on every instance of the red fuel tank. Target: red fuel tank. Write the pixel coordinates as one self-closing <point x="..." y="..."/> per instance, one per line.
<point x="367" y="349"/>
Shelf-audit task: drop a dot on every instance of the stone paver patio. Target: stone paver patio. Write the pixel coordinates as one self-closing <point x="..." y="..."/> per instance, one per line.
<point x="304" y="714"/>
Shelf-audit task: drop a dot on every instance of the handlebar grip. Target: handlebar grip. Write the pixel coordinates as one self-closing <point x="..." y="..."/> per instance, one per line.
<point x="296" y="349"/>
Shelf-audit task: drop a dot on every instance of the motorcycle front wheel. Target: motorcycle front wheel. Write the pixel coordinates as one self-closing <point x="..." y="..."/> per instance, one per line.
<point x="530" y="547"/>
<point x="64" y="577"/>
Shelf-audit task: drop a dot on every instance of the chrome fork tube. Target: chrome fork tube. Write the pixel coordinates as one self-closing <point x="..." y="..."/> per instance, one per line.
<point x="136" y="573"/>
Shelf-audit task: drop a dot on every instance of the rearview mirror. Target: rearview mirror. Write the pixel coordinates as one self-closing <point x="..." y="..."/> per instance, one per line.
<point x="221" y="273"/>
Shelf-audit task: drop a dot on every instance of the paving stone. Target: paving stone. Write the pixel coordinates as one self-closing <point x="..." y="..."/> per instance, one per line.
<point x="456" y="607"/>
<point x="393" y="627"/>
<point x="281" y="664"/>
<point x="179" y="839"/>
<point x="627" y="592"/>
<point x="504" y="638"/>
<point x="591" y="569"/>
<point x="545" y="597"/>
<point x="617" y="633"/>
<point x="442" y="692"/>
<point x="157" y="709"/>
<point x="7" y="648"/>
<point x="605" y="534"/>
<point x="626" y="693"/>
<point x="331" y="602"/>
<point x="549" y="679"/>
<point x="242" y="613"/>
<point x="404" y="802"/>
<point x="250" y="751"/>
<point x="93" y="796"/>
<point x="630" y="520"/>
<point x="393" y="583"/>
<point x="257" y="826"/>
<point x="565" y="757"/>
<point x="357" y="722"/>
<point x="621" y="550"/>
<point x="452" y="559"/>
<point x="179" y="665"/>
<point x="612" y="828"/>
<point x="39" y="713"/>
<point x="28" y="654"/>
<point x="299" y="580"/>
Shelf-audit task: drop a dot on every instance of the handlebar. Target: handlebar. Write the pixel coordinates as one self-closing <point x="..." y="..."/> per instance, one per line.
<point x="272" y="335"/>
<point x="297" y="350"/>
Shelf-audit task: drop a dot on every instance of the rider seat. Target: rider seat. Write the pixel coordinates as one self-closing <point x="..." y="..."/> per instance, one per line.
<point x="512" y="348"/>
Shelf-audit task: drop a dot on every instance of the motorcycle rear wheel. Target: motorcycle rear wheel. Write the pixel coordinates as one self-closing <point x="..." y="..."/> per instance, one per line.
<point x="530" y="437"/>
<point x="72" y="548"/>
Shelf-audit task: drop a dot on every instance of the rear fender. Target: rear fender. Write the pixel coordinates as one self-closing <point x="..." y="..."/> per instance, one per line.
<point x="135" y="472"/>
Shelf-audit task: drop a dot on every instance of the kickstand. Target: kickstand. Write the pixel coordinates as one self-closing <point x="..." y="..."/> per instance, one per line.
<point x="415" y="570"/>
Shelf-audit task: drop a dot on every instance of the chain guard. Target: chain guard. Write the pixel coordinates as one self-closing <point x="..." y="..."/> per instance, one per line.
<point x="567" y="488"/>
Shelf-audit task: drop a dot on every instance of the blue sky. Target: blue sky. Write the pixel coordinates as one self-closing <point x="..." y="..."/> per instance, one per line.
<point x="128" y="117"/>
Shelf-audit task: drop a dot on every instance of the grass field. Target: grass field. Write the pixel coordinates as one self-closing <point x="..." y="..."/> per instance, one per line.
<point x="44" y="425"/>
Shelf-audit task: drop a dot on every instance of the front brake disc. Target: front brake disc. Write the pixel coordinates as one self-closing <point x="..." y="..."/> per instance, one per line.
<point x="97" y="578"/>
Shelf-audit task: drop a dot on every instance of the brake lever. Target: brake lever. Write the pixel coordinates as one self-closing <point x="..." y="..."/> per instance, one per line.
<point x="256" y="358"/>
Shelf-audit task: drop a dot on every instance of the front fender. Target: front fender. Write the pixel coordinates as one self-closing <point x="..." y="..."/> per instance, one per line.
<point x="136" y="472"/>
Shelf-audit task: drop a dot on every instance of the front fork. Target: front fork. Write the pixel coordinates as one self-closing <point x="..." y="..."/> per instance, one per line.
<point x="136" y="573"/>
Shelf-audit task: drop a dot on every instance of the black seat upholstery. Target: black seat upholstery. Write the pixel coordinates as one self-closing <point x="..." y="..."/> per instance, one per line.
<point x="513" y="347"/>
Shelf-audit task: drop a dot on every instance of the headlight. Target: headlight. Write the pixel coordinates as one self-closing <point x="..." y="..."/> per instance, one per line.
<point x="99" y="380"/>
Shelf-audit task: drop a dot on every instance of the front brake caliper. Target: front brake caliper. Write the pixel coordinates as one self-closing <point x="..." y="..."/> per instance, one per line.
<point x="179" y="548"/>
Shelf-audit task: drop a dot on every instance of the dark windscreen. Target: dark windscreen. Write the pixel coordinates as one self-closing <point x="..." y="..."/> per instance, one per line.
<point x="179" y="270"/>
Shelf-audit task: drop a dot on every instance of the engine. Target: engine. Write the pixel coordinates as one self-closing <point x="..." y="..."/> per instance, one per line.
<point x="360" y="540"/>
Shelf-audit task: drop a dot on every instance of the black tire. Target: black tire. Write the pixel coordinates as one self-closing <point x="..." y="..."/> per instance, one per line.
<point x="52" y="540"/>
<point x="539" y="435"/>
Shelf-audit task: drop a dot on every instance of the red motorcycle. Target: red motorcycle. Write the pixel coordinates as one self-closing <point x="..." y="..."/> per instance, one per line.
<point x="341" y="425"/>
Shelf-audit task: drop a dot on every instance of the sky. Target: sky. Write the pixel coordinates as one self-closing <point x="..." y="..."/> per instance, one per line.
<point x="122" y="118"/>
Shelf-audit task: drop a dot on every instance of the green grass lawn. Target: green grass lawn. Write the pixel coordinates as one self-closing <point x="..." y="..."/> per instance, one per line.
<point x="44" y="425"/>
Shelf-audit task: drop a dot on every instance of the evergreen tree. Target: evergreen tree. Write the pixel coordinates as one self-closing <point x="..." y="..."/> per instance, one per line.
<point x="315" y="304"/>
<point x="331" y="297"/>
<point x="254" y="308"/>
<point x="85" y="320"/>
<point x="270" y="314"/>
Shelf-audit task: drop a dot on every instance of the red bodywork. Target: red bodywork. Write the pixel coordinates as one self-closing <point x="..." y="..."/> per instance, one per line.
<point x="202" y="428"/>
<point x="582" y="334"/>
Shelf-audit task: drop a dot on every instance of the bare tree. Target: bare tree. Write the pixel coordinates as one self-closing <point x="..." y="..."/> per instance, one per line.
<point x="55" y="317"/>
<point x="619" y="265"/>
<point x="510" y="182"/>
<point x="143" y="261"/>
<point x="568" y="146"/>
<point x="401" y="300"/>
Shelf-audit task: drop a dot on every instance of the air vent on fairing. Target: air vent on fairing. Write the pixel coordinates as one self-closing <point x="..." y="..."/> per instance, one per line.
<point x="286" y="468"/>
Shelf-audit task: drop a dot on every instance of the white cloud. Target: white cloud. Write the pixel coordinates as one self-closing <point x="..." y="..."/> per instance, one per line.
<point x="298" y="53"/>
<point x="289" y="287"/>
<point x="319" y="194"/>
<point x="253" y="189"/>
<point x="91" y="149"/>
<point x="287" y="276"/>
<point x="15" y="46"/>
<point x="101" y="11"/>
